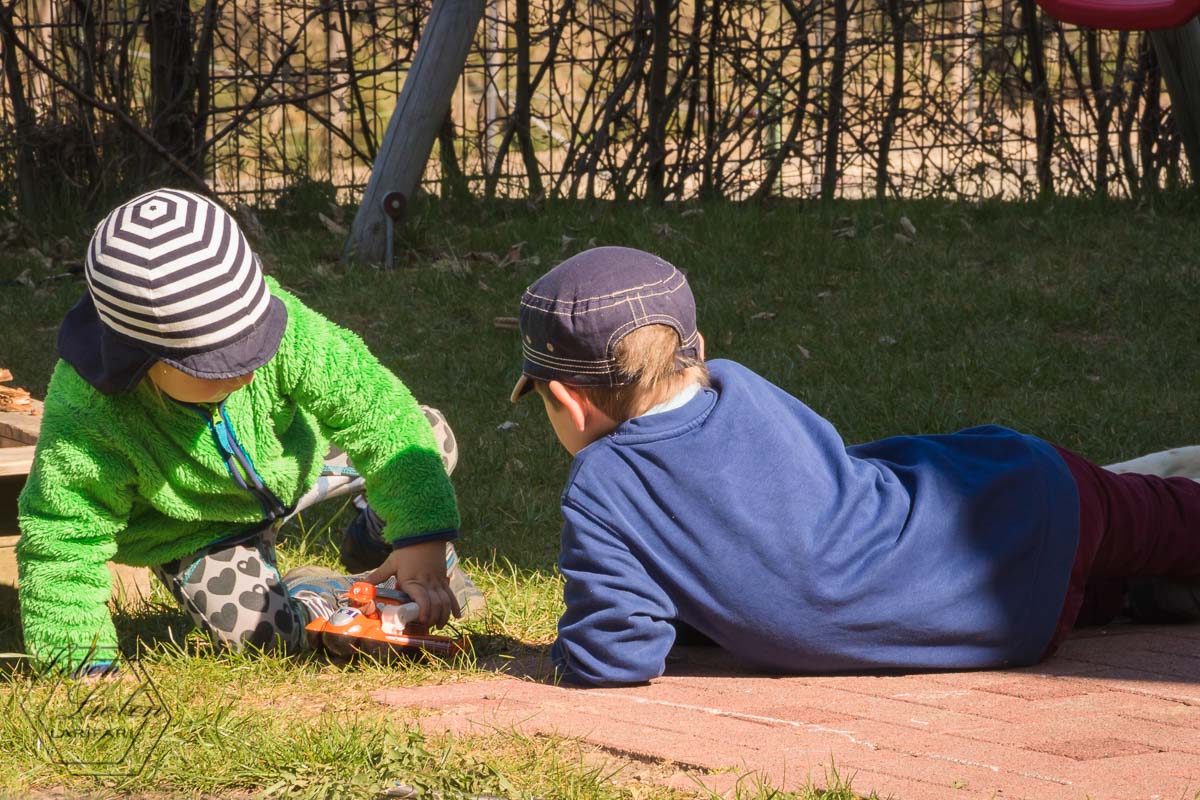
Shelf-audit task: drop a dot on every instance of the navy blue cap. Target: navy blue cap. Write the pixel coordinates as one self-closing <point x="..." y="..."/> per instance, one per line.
<point x="573" y="316"/>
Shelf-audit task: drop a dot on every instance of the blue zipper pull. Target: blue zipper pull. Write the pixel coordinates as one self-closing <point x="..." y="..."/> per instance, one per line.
<point x="273" y="507"/>
<point x="221" y="430"/>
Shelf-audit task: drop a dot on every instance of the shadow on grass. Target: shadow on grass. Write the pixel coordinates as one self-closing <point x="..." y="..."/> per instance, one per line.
<point x="506" y="655"/>
<point x="10" y="620"/>
<point x="1119" y="651"/>
<point x="148" y="626"/>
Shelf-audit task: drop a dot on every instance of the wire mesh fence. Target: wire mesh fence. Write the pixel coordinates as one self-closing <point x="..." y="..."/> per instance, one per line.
<point x="657" y="99"/>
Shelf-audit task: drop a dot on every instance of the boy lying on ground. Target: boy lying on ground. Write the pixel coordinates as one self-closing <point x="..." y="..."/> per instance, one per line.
<point x="704" y="498"/>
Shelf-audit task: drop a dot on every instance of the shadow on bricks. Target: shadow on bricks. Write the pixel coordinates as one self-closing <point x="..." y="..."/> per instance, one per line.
<point x="1115" y="714"/>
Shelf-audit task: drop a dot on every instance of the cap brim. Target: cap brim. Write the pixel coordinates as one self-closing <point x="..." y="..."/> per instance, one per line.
<point x="241" y="357"/>
<point x="524" y="386"/>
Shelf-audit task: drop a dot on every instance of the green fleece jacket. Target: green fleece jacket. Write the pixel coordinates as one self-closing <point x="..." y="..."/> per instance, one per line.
<point x="137" y="478"/>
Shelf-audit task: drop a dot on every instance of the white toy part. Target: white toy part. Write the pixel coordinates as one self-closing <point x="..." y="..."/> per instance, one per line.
<point x="393" y="618"/>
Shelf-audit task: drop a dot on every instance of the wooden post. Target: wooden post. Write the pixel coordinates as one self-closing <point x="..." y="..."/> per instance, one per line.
<point x="656" y="99"/>
<point x="1178" y="51"/>
<point x="831" y="170"/>
<point x="172" y="81"/>
<point x="420" y="110"/>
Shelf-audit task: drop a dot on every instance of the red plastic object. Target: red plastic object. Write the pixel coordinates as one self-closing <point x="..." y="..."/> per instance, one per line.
<point x="1122" y="15"/>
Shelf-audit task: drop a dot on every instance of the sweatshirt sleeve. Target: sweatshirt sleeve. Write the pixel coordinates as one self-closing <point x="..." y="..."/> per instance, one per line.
<point x="365" y="410"/>
<point x="77" y="497"/>
<point x="616" y="629"/>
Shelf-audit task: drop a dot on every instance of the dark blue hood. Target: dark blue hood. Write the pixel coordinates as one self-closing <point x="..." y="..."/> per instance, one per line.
<point x="105" y="359"/>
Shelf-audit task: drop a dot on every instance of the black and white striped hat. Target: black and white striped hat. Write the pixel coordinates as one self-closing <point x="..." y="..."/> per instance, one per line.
<point x="171" y="274"/>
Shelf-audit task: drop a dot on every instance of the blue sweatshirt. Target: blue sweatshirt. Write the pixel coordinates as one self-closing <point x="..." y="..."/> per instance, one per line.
<point x="743" y="515"/>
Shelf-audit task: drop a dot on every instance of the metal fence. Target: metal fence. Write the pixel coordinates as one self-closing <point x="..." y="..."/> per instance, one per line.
<point x="588" y="98"/>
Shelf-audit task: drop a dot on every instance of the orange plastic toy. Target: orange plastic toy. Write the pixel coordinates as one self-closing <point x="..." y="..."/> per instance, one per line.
<point x="378" y="621"/>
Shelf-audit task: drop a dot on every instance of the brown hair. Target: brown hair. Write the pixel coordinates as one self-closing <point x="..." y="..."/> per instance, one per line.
<point x="648" y="360"/>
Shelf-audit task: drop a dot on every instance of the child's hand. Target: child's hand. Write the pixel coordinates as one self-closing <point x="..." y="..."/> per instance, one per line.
<point x="420" y="570"/>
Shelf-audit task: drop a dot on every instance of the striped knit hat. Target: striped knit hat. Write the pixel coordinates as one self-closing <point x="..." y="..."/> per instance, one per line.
<point x="171" y="277"/>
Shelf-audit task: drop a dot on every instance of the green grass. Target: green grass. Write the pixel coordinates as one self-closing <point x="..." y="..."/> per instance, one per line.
<point x="1074" y="321"/>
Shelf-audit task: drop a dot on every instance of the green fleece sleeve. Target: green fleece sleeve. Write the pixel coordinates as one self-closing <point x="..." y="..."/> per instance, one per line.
<point x="369" y="413"/>
<point x="77" y="497"/>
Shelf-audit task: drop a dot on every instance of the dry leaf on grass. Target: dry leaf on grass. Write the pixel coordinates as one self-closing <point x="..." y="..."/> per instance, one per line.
<point x="330" y="269"/>
<point x="331" y="226"/>
<point x="9" y="231"/>
<point x="484" y="256"/>
<point x="63" y="247"/>
<point x="506" y="323"/>
<point x="764" y="315"/>
<point x="513" y="255"/>
<point x="909" y="229"/>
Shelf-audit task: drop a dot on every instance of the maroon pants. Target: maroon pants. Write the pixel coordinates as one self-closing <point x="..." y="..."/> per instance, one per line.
<point x="1130" y="526"/>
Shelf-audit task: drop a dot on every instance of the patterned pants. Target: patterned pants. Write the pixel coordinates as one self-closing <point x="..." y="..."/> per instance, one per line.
<point x="232" y="588"/>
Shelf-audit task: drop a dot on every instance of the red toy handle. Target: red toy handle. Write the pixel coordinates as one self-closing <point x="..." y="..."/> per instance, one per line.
<point x="1123" y="15"/>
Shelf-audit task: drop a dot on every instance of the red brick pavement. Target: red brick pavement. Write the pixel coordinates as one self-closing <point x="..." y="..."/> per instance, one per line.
<point x="1115" y="715"/>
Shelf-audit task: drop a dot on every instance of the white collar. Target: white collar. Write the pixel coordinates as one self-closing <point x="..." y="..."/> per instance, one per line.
<point x="675" y="401"/>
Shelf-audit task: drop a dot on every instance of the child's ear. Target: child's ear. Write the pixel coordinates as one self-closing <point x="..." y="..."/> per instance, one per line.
<point x="575" y="401"/>
<point x="700" y="350"/>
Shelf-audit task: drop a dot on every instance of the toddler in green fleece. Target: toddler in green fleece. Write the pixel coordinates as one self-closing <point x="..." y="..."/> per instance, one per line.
<point x="188" y="418"/>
